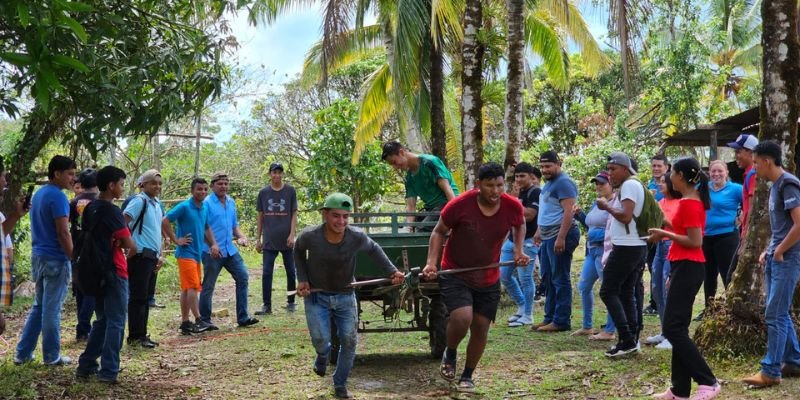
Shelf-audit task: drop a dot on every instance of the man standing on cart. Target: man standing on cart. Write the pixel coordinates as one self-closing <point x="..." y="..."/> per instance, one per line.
<point x="478" y="222"/>
<point x="325" y="259"/>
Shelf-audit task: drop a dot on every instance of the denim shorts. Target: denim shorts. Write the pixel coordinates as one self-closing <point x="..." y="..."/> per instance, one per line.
<point x="456" y="294"/>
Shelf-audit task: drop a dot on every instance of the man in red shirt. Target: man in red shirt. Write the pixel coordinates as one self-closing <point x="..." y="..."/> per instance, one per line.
<point x="478" y="222"/>
<point x="744" y="146"/>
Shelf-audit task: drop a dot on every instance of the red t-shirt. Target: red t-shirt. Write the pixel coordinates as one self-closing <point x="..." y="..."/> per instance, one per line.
<point x="690" y="214"/>
<point x="476" y="239"/>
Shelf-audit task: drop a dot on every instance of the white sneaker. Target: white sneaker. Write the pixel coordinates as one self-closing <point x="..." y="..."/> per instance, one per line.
<point x="653" y="340"/>
<point x="664" y="345"/>
<point x="521" y="321"/>
<point x="517" y="315"/>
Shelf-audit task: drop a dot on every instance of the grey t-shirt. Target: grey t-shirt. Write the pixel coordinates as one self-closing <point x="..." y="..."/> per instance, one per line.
<point x="781" y="202"/>
<point x="275" y="207"/>
<point x="329" y="266"/>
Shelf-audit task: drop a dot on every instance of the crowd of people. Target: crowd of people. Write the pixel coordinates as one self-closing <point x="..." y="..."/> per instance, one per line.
<point x="684" y="226"/>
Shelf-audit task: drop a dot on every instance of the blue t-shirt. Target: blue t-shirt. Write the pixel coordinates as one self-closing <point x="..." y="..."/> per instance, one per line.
<point x="781" y="202"/>
<point x="47" y="204"/>
<point x="190" y="219"/>
<point x="550" y="210"/>
<point x="222" y="220"/>
<point x="721" y="218"/>
<point x="150" y="237"/>
<point x="652" y="185"/>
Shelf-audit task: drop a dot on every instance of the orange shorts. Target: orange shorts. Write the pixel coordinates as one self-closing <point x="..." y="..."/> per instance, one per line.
<point x="189" y="272"/>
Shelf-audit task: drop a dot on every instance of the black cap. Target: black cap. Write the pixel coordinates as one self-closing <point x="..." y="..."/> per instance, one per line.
<point x="549" y="156"/>
<point x="275" y="166"/>
<point x="88" y="178"/>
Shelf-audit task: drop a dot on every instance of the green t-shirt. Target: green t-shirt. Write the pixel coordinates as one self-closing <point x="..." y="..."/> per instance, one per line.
<point x="422" y="184"/>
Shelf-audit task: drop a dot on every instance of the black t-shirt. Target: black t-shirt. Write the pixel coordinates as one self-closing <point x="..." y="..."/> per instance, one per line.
<point x="530" y="199"/>
<point x="110" y="225"/>
<point x="76" y="209"/>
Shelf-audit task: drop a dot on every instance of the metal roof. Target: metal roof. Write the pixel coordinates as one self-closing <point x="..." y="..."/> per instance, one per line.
<point x="727" y="130"/>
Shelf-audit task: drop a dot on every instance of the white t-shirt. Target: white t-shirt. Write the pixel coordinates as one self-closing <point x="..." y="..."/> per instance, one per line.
<point x="620" y="236"/>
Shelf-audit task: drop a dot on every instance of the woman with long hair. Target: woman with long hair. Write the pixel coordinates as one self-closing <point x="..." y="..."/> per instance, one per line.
<point x="721" y="237"/>
<point x="687" y="273"/>
<point x="661" y="267"/>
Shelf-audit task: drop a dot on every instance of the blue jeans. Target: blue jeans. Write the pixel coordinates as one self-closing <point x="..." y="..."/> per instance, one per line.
<point x="105" y="339"/>
<point x="52" y="277"/>
<point x="85" y="309"/>
<point x="320" y="308"/>
<point x="268" y="266"/>
<point x="520" y="289"/>
<point x="592" y="271"/>
<point x="781" y="280"/>
<point x="661" y="269"/>
<point x="558" y="304"/>
<point x="211" y="269"/>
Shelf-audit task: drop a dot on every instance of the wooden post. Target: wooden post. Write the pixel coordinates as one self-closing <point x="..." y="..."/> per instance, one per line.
<point x="714" y="153"/>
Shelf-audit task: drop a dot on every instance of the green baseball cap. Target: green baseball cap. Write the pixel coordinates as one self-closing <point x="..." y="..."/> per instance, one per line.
<point x="339" y="201"/>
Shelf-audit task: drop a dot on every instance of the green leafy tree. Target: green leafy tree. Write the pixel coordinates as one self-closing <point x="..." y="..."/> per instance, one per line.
<point x="331" y="170"/>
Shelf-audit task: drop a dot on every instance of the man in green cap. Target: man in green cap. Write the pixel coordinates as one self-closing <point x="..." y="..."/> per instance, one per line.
<point x="324" y="256"/>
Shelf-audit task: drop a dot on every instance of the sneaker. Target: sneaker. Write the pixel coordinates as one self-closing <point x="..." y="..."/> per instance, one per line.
<point x="664" y="345"/>
<point x="513" y="318"/>
<point x="187" y="328"/>
<point x="156" y="305"/>
<point x="19" y="361"/>
<point x="290" y="307"/>
<point x="248" y="322"/>
<point x="790" y="371"/>
<point x="466" y="385"/>
<point x="668" y="395"/>
<point x="622" y="349"/>
<point x="320" y="365"/>
<point x="706" y="392"/>
<point x="81" y="338"/>
<point x="63" y="360"/>
<point x="264" y="311"/>
<point x="654" y="340"/>
<point x="650" y="310"/>
<point x="202" y="326"/>
<point x="142" y="342"/>
<point x="538" y="298"/>
<point x="700" y="316"/>
<point x="521" y="322"/>
<point x="211" y="326"/>
<point x="341" y="392"/>
<point x="84" y="375"/>
<point x="107" y="381"/>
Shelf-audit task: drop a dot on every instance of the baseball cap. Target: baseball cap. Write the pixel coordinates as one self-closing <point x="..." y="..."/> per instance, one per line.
<point x="602" y="177"/>
<point x="275" y="166"/>
<point x="148" y="176"/>
<point x="218" y="175"/>
<point x="549" y="156"/>
<point x="88" y="178"/>
<point x="744" y="141"/>
<point x="622" y="159"/>
<point x="338" y="201"/>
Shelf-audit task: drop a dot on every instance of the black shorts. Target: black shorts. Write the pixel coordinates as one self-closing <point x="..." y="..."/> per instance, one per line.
<point x="456" y="294"/>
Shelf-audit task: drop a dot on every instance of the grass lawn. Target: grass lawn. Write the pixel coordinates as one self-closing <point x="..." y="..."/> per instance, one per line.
<point x="272" y="360"/>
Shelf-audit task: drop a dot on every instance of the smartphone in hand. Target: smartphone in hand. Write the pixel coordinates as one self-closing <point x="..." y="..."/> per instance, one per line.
<point x="27" y="204"/>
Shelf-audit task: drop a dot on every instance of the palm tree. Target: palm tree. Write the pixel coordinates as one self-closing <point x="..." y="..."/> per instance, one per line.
<point x="737" y="58"/>
<point x="472" y="52"/>
<point x="514" y="82"/>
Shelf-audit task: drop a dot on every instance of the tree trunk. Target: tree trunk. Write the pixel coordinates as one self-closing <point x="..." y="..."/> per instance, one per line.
<point x="514" y="85"/>
<point x="624" y="47"/>
<point x="741" y="316"/>
<point x="198" y="130"/>
<point x="471" y="102"/>
<point x="438" y="133"/>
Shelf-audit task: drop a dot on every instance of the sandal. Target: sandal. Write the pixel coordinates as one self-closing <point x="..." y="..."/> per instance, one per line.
<point x="668" y="395"/>
<point x="447" y="369"/>
<point x="466" y="385"/>
<point x="706" y="392"/>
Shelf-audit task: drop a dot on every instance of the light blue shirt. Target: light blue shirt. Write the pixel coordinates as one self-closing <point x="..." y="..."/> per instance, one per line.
<point x="550" y="210"/>
<point x="721" y="218"/>
<point x="189" y="218"/>
<point x="222" y="219"/>
<point x="150" y="236"/>
<point x="47" y="204"/>
<point x="652" y="185"/>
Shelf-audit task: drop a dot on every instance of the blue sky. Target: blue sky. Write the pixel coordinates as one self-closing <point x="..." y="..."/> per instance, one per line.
<point x="273" y="55"/>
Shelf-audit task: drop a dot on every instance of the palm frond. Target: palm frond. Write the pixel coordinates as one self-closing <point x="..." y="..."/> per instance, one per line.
<point x="267" y="11"/>
<point x="351" y="46"/>
<point x="408" y="41"/>
<point x="544" y="41"/>
<point x="568" y="18"/>
<point x="452" y="120"/>
<point x="446" y="19"/>
<point x="376" y="108"/>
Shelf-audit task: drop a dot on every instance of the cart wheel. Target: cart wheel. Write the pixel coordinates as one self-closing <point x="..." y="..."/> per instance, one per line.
<point x="437" y="327"/>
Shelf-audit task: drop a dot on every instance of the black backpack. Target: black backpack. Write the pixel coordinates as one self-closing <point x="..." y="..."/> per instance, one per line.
<point x="91" y="265"/>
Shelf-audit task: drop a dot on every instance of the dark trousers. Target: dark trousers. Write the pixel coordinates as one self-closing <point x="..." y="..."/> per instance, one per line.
<point x="651" y="255"/>
<point x="719" y="251"/>
<point x="687" y="362"/>
<point x="151" y="289"/>
<point x="268" y="266"/>
<point x="140" y="274"/>
<point x="85" y="309"/>
<point x="621" y="276"/>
